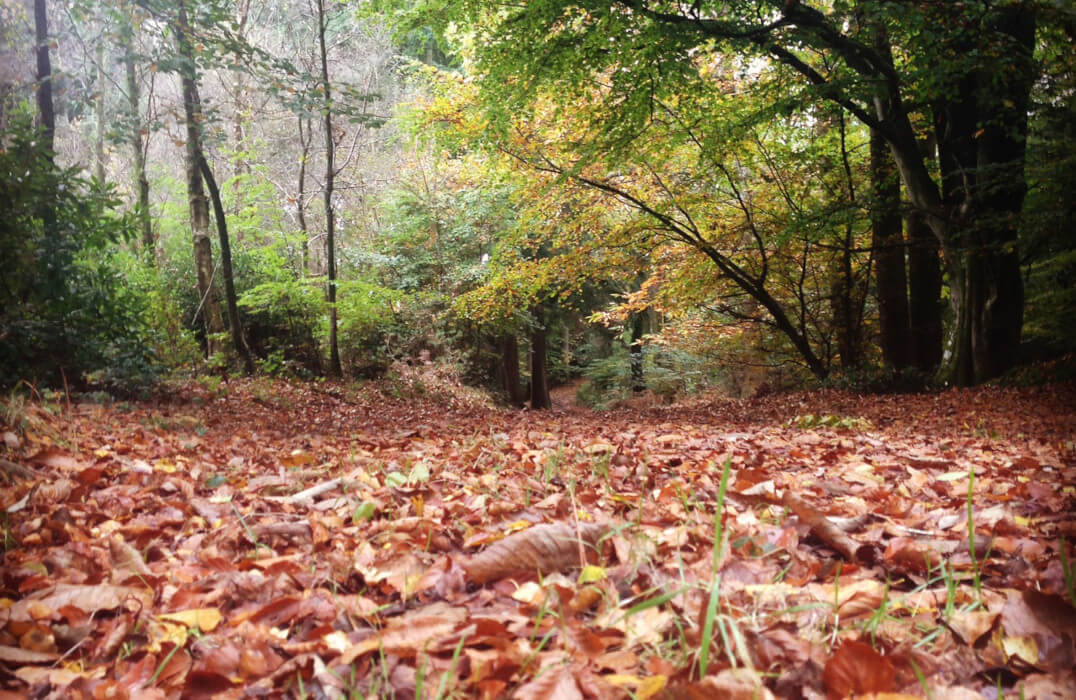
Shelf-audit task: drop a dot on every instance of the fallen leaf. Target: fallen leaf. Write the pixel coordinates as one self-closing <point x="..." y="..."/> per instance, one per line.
<point x="857" y="668"/>
<point x="538" y="549"/>
<point x="551" y="683"/>
<point x="202" y="619"/>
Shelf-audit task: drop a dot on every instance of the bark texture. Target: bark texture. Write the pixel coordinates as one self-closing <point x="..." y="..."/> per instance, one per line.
<point x="196" y="198"/>
<point x="539" y="351"/>
<point x="887" y="240"/>
<point x="330" y="225"/>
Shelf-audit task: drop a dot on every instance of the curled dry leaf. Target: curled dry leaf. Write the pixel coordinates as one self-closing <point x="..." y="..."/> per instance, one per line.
<point x="542" y="548"/>
<point x="53" y="492"/>
<point x="17" y="655"/>
<point x="126" y="560"/>
<point x="13" y="470"/>
<point x="828" y="532"/>
<point x="86" y="598"/>
<point x="412" y="632"/>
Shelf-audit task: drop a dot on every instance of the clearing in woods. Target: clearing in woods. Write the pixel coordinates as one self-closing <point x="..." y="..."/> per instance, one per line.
<point x="255" y="537"/>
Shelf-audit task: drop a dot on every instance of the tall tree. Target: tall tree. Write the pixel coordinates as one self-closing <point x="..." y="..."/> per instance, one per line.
<point x="975" y="75"/>
<point x="136" y="131"/>
<point x="45" y="109"/>
<point x="198" y="169"/>
<point x="509" y="369"/>
<point x="196" y="197"/>
<point x="330" y="174"/>
<point x="539" y="360"/>
<point x="887" y="240"/>
<point x="46" y="113"/>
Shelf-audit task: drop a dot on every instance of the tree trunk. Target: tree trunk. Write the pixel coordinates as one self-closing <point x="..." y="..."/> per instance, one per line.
<point x="330" y="240"/>
<point x="846" y="297"/>
<point x="887" y="240"/>
<point x="509" y="347"/>
<point x="46" y="112"/>
<point x="141" y="182"/>
<point x="305" y="137"/>
<point x="238" y="341"/>
<point x="239" y="113"/>
<point x="199" y="208"/>
<point x="638" y="321"/>
<point x="924" y="294"/>
<point x="539" y="376"/>
<point x="99" y="113"/>
<point x="47" y="115"/>
<point x="982" y="134"/>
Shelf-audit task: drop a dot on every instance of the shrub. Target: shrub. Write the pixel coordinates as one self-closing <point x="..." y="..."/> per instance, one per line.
<point x="65" y="313"/>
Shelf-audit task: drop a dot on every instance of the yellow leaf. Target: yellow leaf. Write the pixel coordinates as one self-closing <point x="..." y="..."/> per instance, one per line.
<point x="101" y="452"/>
<point x="591" y="574"/>
<point x="171" y="632"/>
<point x="165" y="465"/>
<point x="1023" y="648"/>
<point x="203" y="619"/>
<point x="651" y="687"/>
<point x="622" y="680"/>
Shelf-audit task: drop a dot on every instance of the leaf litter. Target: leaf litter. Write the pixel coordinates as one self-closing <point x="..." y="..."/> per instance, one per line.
<point x="324" y="541"/>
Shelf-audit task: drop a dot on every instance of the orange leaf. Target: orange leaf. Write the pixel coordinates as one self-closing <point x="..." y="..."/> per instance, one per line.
<point x="857" y="668"/>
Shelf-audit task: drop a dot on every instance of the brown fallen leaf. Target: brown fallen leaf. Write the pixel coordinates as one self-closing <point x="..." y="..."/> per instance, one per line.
<point x="857" y="668"/>
<point x="1039" y="686"/>
<point x="86" y="598"/>
<point x="542" y="548"/>
<point x="126" y="560"/>
<point x="1048" y="621"/>
<point x="828" y="532"/>
<point x="411" y="632"/>
<point x="971" y="626"/>
<point x="16" y="655"/>
<point x="730" y="684"/>
<point x="12" y="470"/>
<point x="57" y="459"/>
<point x="551" y="684"/>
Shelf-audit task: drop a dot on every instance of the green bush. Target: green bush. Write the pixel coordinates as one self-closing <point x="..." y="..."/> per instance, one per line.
<point x="374" y="326"/>
<point x="65" y="312"/>
<point x="668" y="372"/>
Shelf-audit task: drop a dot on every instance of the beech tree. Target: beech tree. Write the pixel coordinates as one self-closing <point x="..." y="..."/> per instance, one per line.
<point x="963" y="71"/>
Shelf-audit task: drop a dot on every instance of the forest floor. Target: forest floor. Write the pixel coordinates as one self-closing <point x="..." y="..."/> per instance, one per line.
<point x="264" y="538"/>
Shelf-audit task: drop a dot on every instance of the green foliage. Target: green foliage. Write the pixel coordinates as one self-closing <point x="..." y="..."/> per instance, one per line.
<point x="282" y="312"/>
<point x="65" y="311"/>
<point x="373" y="325"/>
<point x="667" y="372"/>
<point x="164" y="332"/>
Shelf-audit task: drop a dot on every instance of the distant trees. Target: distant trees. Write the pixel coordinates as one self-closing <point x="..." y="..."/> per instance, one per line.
<point x="831" y="186"/>
<point x="965" y="74"/>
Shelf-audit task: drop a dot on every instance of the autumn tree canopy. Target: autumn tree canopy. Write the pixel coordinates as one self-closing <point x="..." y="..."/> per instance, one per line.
<point x="694" y="189"/>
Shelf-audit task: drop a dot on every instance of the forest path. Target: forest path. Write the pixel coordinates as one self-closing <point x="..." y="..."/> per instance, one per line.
<point x="240" y="537"/>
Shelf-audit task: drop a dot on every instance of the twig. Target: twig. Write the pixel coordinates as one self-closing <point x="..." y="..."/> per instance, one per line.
<point x="308" y="495"/>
